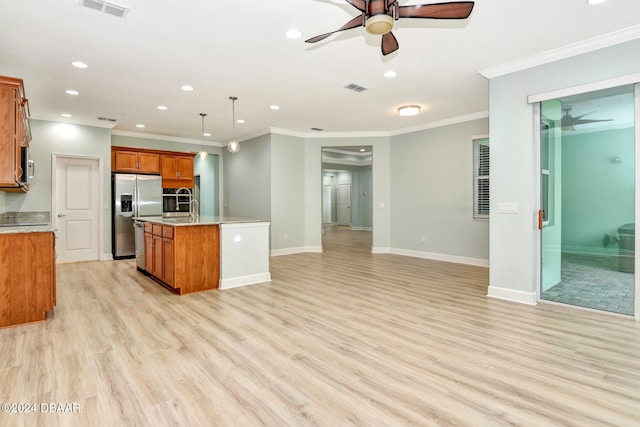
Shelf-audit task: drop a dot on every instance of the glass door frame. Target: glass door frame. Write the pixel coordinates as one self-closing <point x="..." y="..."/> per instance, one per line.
<point x="535" y="101"/>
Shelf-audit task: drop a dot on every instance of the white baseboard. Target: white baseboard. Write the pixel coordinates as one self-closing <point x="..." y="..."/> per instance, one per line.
<point x="522" y="297"/>
<point x="380" y="250"/>
<point x="479" y="262"/>
<point x="244" y="280"/>
<point x="107" y="257"/>
<point x="361" y="228"/>
<point x="313" y="249"/>
<point x="298" y="250"/>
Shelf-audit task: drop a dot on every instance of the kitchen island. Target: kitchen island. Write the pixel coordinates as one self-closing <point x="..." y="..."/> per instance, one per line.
<point x="211" y="252"/>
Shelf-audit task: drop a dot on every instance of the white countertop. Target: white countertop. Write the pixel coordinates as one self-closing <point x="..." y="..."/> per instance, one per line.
<point x="27" y="229"/>
<point x="203" y="220"/>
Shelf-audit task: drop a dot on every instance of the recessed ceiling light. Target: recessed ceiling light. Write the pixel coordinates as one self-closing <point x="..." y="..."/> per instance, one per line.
<point x="240" y="121"/>
<point x="187" y="88"/>
<point x="409" y="110"/>
<point x="275" y="107"/>
<point x="206" y="134"/>
<point x="390" y="74"/>
<point x="592" y="2"/>
<point x="72" y="92"/>
<point x="79" y="64"/>
<point x="293" y="34"/>
<point x="139" y="125"/>
<point x="161" y="107"/>
<point x="66" y="115"/>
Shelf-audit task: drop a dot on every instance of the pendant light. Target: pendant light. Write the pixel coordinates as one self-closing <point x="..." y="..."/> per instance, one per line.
<point x="233" y="146"/>
<point x="202" y="153"/>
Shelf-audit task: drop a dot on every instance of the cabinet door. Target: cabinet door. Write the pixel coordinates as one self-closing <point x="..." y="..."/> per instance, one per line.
<point x="167" y="264"/>
<point x="125" y="161"/>
<point x="157" y="256"/>
<point x="169" y="167"/>
<point x="148" y="252"/>
<point x="185" y="167"/>
<point x="148" y="163"/>
<point x="7" y="138"/>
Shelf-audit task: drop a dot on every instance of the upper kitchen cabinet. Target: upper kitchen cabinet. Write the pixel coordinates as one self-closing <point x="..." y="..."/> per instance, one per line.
<point x="15" y="135"/>
<point x="132" y="160"/>
<point x="177" y="170"/>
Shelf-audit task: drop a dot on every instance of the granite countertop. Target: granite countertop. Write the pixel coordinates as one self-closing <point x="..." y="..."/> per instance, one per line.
<point x="25" y="222"/>
<point x="203" y="220"/>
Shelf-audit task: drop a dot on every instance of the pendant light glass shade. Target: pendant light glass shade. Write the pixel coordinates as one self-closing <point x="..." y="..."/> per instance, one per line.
<point x="233" y="146"/>
<point x="202" y="153"/>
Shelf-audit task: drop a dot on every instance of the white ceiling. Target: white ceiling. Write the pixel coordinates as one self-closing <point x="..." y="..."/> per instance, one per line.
<point x="237" y="47"/>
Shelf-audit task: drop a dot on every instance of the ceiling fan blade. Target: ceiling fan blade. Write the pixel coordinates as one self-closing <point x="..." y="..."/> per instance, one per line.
<point x="449" y="10"/>
<point x="358" y="21"/>
<point x="361" y="5"/>
<point x="389" y="43"/>
<point x="585" y="121"/>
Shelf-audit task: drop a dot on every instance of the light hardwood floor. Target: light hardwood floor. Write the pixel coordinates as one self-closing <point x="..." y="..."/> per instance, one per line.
<point x="336" y="339"/>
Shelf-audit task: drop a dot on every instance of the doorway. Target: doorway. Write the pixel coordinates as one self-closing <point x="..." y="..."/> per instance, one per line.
<point x="587" y="189"/>
<point x="347" y="207"/>
<point x="77" y="184"/>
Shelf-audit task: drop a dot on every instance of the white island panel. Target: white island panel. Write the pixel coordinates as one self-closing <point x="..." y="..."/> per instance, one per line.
<point x="244" y="254"/>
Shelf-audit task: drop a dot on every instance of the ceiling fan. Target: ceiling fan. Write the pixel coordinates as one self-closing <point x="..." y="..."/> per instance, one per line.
<point x="569" y="122"/>
<point x="378" y="16"/>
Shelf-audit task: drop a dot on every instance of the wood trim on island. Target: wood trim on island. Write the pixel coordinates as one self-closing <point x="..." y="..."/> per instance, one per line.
<point x="183" y="259"/>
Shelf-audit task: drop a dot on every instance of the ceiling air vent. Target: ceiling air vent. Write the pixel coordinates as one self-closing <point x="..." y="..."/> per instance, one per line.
<point x="106" y="7"/>
<point x="355" y="87"/>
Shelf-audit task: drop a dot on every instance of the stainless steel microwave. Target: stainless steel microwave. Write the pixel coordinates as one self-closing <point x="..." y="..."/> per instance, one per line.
<point x="27" y="166"/>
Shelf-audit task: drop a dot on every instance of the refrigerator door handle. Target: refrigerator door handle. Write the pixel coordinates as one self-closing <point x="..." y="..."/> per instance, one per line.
<point x="136" y="208"/>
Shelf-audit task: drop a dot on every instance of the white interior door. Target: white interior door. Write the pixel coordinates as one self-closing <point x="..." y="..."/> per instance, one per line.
<point x="344" y="204"/>
<point x="77" y="209"/>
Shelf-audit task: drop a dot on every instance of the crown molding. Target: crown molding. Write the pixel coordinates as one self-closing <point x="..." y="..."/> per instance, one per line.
<point x="441" y="123"/>
<point x="72" y="121"/>
<point x="585" y="46"/>
<point x="166" y="138"/>
<point x="350" y="153"/>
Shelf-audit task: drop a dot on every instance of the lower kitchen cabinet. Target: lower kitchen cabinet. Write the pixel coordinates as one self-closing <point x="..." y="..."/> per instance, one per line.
<point x="27" y="277"/>
<point x="185" y="258"/>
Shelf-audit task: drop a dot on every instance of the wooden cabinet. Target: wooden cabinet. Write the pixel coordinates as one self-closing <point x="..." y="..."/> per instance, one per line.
<point x="134" y="161"/>
<point x="27" y="277"/>
<point x="15" y="134"/>
<point x="184" y="258"/>
<point x="159" y="252"/>
<point x="177" y="170"/>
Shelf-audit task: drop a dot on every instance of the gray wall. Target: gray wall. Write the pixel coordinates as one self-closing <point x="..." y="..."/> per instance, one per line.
<point x="62" y="138"/>
<point x="247" y="179"/>
<point x="287" y="192"/>
<point x="513" y="237"/>
<point x="432" y="192"/>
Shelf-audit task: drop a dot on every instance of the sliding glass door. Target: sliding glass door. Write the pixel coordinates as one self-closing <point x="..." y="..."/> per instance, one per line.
<point x="587" y="188"/>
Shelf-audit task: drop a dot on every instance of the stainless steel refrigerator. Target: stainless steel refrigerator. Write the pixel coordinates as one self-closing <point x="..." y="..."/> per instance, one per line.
<point x="133" y="196"/>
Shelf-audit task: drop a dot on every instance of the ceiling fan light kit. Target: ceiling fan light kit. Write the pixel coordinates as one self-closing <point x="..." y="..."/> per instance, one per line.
<point x="378" y="17"/>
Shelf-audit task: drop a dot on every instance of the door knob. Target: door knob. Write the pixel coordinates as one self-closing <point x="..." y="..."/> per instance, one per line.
<point x="61" y="215"/>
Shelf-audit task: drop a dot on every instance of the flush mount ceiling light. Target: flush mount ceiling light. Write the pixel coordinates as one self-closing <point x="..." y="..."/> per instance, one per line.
<point x="593" y="2"/>
<point x="139" y="125"/>
<point x="409" y="110"/>
<point x="161" y="107"/>
<point x="390" y="73"/>
<point x="233" y="146"/>
<point x="79" y="64"/>
<point x="67" y="115"/>
<point x="187" y="88"/>
<point x="202" y="153"/>
<point x="275" y="107"/>
<point x="72" y="92"/>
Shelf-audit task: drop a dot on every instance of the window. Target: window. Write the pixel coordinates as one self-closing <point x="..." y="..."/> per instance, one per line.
<point x="481" y="178"/>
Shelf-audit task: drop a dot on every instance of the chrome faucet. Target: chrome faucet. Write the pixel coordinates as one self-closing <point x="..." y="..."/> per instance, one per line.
<point x="178" y="203"/>
<point x="193" y="212"/>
